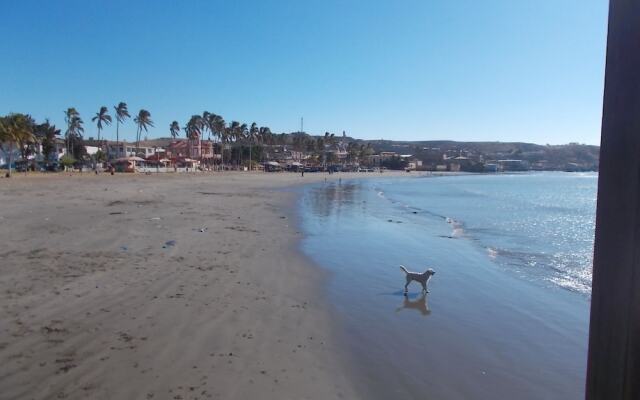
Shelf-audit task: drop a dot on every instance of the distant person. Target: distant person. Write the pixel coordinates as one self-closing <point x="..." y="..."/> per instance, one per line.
<point x="302" y="171"/>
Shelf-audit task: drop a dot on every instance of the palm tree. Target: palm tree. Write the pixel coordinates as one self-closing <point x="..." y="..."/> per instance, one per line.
<point x="74" y="128"/>
<point x="71" y="117"/>
<point x="194" y="127"/>
<point x="174" y="128"/>
<point x="329" y="138"/>
<point x="224" y="136"/>
<point x="102" y="116"/>
<point x="193" y="131"/>
<point x="266" y="137"/>
<point x="231" y="132"/>
<point x="219" y="127"/>
<point x="46" y="134"/>
<point x="241" y="136"/>
<point x="207" y="118"/>
<point x="265" y="134"/>
<point x="254" y="133"/>
<point x="209" y="122"/>
<point x="143" y="120"/>
<point x="122" y="113"/>
<point x="15" y="129"/>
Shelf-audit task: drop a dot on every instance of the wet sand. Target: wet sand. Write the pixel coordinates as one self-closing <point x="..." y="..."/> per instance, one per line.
<point x="180" y="287"/>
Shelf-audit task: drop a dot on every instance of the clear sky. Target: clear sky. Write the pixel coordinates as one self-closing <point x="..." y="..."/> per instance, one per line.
<point x="508" y="70"/>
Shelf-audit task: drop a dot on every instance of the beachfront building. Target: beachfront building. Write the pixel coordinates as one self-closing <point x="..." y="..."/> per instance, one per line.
<point x="124" y="149"/>
<point x="8" y="152"/>
<point x="116" y="150"/>
<point x="128" y="164"/>
<point x="284" y="153"/>
<point x="191" y="153"/>
<point x="36" y="157"/>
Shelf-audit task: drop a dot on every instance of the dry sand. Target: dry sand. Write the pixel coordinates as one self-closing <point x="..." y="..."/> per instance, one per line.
<point x="164" y="287"/>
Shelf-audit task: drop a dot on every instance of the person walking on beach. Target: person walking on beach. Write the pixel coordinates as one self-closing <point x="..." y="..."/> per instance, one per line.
<point x="302" y="171"/>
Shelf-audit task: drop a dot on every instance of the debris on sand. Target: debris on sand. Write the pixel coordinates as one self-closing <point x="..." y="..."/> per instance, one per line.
<point x="169" y="243"/>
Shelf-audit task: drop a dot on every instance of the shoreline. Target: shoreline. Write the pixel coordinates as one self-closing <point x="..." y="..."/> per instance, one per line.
<point x="160" y="286"/>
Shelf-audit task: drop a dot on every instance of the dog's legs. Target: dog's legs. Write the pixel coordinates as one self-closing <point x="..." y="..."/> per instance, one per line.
<point x="424" y="287"/>
<point x="406" y="288"/>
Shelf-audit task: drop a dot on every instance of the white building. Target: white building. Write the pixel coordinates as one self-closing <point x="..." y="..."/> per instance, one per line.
<point x="58" y="151"/>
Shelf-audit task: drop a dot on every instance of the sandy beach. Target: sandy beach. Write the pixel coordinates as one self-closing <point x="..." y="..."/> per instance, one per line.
<point x="164" y="287"/>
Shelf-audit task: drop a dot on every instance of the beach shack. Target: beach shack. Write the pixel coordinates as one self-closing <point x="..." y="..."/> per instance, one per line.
<point x="189" y="164"/>
<point x="128" y="164"/>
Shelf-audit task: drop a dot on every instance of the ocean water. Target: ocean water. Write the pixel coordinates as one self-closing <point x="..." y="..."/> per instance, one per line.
<point x="507" y="312"/>
<point x="540" y="225"/>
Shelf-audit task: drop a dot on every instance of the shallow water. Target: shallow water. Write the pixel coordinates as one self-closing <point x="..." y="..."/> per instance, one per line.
<point x="539" y="225"/>
<point x="507" y="316"/>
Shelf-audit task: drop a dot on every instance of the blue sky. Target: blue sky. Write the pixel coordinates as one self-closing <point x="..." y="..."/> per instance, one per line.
<point x="508" y="70"/>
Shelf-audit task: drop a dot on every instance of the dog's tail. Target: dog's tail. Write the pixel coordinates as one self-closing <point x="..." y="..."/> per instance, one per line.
<point x="404" y="269"/>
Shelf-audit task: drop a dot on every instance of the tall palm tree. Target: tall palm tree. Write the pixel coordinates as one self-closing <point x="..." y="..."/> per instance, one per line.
<point x="329" y="140"/>
<point x="102" y="117"/>
<point x="265" y="134"/>
<point x="74" y="128"/>
<point x="46" y="135"/>
<point x="254" y="131"/>
<point x="224" y="137"/>
<point x="208" y="122"/>
<point x="16" y="129"/>
<point x="71" y="117"/>
<point x="195" y="127"/>
<point x="231" y="131"/>
<point x="207" y="117"/>
<point x="241" y="136"/>
<point x="193" y="130"/>
<point x="143" y="120"/>
<point x="174" y="128"/>
<point x="122" y="113"/>
<point x="266" y="137"/>
<point x="219" y="126"/>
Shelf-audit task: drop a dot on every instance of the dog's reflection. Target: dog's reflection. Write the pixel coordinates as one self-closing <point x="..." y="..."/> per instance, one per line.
<point x="419" y="304"/>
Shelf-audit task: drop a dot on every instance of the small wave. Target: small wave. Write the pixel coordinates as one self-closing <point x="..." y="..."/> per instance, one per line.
<point x="492" y="253"/>
<point x="571" y="284"/>
<point x="458" y="227"/>
<point x="553" y="267"/>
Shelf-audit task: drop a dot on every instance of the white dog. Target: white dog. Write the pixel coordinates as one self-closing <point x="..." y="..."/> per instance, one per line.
<point x="423" y="278"/>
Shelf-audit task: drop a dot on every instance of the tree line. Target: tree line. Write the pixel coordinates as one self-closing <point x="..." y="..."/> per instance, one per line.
<point x="20" y="131"/>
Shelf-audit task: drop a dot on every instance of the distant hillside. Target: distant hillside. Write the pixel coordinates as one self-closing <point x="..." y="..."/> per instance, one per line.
<point x="572" y="156"/>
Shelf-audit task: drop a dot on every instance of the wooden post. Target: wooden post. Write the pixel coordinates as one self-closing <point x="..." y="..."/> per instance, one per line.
<point x="613" y="370"/>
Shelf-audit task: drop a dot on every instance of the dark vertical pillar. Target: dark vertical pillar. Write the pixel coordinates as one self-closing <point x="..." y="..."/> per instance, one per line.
<point x="613" y="370"/>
